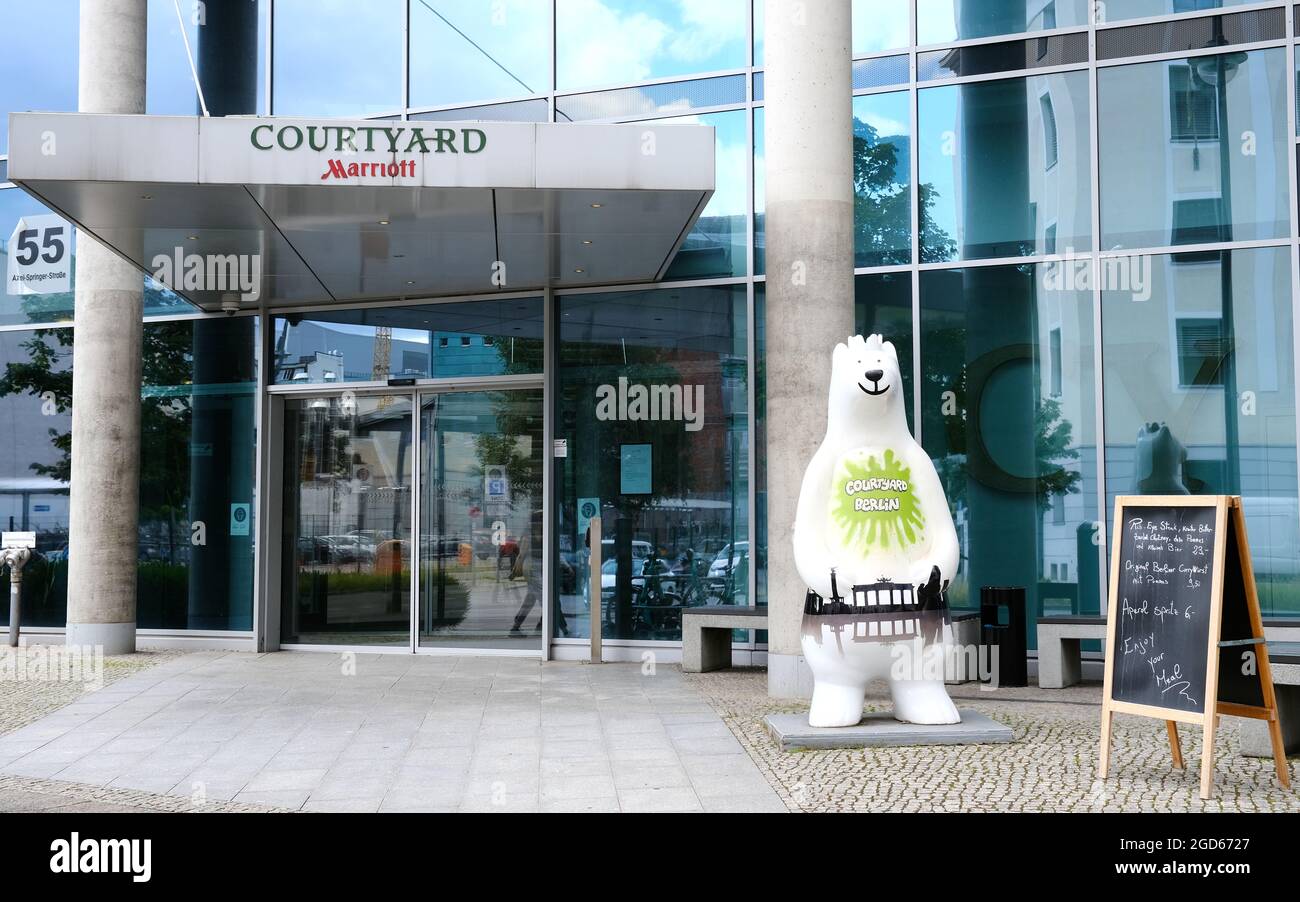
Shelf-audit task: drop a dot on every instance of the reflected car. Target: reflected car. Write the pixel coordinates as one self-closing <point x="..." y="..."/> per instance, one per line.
<point x="728" y="559"/>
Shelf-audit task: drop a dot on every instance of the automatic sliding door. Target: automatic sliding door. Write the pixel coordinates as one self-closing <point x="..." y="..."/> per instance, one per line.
<point x="347" y="520"/>
<point x="480" y="548"/>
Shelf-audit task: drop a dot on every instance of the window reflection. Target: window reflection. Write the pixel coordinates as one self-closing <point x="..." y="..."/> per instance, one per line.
<point x="1116" y="10"/>
<point x="196" y="529"/>
<point x="335" y="58"/>
<point x="226" y="41"/>
<point x="942" y="21"/>
<point x="470" y="338"/>
<point x="1009" y="411"/>
<point x="653" y="402"/>
<point x="468" y="50"/>
<point x="1005" y="168"/>
<point x="1186" y="145"/>
<point x="35" y="464"/>
<point x="716" y="245"/>
<point x="1200" y="396"/>
<point x="608" y="42"/>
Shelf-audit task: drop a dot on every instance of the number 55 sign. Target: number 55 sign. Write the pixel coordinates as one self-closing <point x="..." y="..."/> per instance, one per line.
<point x="39" y="254"/>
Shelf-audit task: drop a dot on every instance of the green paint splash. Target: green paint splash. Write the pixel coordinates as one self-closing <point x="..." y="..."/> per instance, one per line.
<point x="899" y="521"/>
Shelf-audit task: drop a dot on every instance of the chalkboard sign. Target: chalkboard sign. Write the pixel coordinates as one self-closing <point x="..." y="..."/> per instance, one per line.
<point x="1160" y="648"/>
<point x="1185" y="641"/>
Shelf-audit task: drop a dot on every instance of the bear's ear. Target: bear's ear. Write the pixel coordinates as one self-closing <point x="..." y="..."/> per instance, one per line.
<point x="888" y="347"/>
<point x="841" y="353"/>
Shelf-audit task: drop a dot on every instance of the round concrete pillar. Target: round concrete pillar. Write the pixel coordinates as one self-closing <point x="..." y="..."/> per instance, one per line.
<point x="808" y="143"/>
<point x="104" y="504"/>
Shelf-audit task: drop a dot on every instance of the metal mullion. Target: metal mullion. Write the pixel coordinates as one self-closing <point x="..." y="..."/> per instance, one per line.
<point x="417" y="451"/>
<point x="1293" y="180"/>
<point x="914" y="190"/>
<point x="1098" y="351"/>
<point x="896" y="88"/>
<point x="550" y="519"/>
<point x="654" y="82"/>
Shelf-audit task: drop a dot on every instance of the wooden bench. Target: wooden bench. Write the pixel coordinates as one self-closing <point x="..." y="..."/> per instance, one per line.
<point x="1060" y="661"/>
<point x="1284" y="662"/>
<point x="706" y="634"/>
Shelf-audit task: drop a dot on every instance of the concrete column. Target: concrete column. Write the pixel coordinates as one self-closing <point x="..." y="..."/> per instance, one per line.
<point x="809" y="148"/>
<point x="105" y="496"/>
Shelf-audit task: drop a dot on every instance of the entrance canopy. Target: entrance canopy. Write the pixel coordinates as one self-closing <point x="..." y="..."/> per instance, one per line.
<point x="320" y="211"/>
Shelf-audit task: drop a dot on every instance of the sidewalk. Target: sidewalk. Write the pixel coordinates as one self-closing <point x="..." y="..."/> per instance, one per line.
<point x="328" y="732"/>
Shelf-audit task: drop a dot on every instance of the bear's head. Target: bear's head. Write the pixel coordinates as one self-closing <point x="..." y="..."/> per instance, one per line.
<point x="867" y="386"/>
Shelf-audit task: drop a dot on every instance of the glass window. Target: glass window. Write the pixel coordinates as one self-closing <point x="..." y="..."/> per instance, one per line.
<point x="197" y="460"/>
<point x="882" y="202"/>
<point x="611" y="42"/>
<point x="35" y="444"/>
<point x="38" y="61"/>
<point x="226" y="41"/>
<point x="198" y="411"/>
<point x="652" y="397"/>
<point x="1200" y="397"/>
<point x="1118" y="10"/>
<point x="715" y="247"/>
<point x="426" y="342"/>
<point x="16" y="307"/>
<point x="943" y="21"/>
<point x="468" y="50"/>
<point x="1174" y="131"/>
<point x="877" y="25"/>
<point x="335" y="58"/>
<point x="882" y="208"/>
<point x="1008" y="403"/>
<point x="1001" y="162"/>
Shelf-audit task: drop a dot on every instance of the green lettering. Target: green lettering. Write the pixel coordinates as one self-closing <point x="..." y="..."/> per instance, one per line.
<point x="253" y="137"/>
<point x="417" y="137"/>
<point x="445" y="136"/>
<point x="297" y="131"/>
<point x="482" y="139"/>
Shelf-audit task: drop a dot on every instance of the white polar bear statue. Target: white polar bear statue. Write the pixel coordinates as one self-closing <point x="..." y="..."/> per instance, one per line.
<point x="873" y="523"/>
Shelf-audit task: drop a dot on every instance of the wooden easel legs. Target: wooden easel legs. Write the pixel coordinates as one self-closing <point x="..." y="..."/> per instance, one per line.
<point x="1279" y="750"/>
<point x="1174" y="747"/>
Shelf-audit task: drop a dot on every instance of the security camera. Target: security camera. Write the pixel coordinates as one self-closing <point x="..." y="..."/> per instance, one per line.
<point x="230" y="304"/>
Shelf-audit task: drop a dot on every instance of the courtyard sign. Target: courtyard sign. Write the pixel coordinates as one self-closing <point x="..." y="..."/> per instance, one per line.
<point x="348" y="140"/>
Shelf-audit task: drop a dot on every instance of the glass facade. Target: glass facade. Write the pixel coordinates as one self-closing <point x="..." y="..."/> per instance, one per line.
<point x="197" y="505"/>
<point x="1083" y="247"/>
<point x="652" y="400"/>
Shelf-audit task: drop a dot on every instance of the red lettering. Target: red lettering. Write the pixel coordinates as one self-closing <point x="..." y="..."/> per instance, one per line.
<point x="335" y="170"/>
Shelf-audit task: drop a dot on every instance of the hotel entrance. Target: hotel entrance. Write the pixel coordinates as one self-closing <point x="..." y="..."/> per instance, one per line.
<point x="412" y="519"/>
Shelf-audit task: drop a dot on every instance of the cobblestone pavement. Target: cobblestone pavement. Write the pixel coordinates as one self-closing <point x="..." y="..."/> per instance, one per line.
<point x="1050" y="767"/>
<point x="26" y="697"/>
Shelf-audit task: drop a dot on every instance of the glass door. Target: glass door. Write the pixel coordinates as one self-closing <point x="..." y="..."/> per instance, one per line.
<point x="481" y="520"/>
<point x="345" y="566"/>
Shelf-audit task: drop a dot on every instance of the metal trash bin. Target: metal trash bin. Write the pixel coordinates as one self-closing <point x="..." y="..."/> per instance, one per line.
<point x="1003" y="626"/>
